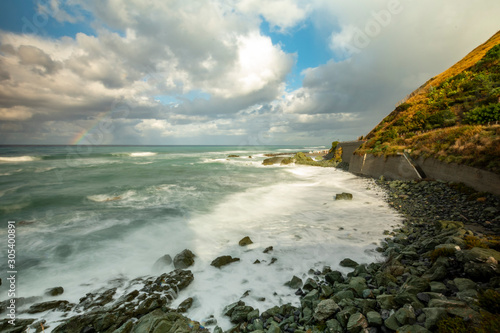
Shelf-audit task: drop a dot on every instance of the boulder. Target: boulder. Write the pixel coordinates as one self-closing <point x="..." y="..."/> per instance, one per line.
<point x="357" y="323"/>
<point x="413" y="329"/>
<point x="374" y="318"/>
<point x="464" y="284"/>
<point x="223" y="261"/>
<point x="343" y="196"/>
<point x="54" y="291"/>
<point x="432" y="316"/>
<point x="273" y="160"/>
<point x="245" y="241"/>
<point x="51" y="305"/>
<point x="333" y="277"/>
<point x="325" y="309"/>
<point x="184" y="259"/>
<point x="294" y="283"/>
<point x="358" y="284"/>
<point x="185" y="305"/>
<point x="347" y="262"/>
<point x="240" y="313"/>
<point x="406" y="315"/>
<point x="158" y="321"/>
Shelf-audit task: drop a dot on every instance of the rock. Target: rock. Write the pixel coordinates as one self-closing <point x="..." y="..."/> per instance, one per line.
<point x="233" y="156"/>
<point x="464" y="284"/>
<point x="392" y="323"/>
<point x="268" y="249"/>
<point x="54" y="291"/>
<point x="412" y="329"/>
<point x="374" y="318"/>
<point x="294" y="283"/>
<point x="162" y="263"/>
<point x="245" y="241"/>
<point x="333" y="277"/>
<point x="358" y="284"/>
<point x="480" y="255"/>
<point x="438" y="271"/>
<point x="343" y="294"/>
<point x="158" y="321"/>
<point x="51" y="305"/>
<point x="310" y="284"/>
<point x="447" y="225"/>
<point x="325" y="309"/>
<point x="343" y="196"/>
<point x="273" y="160"/>
<point x="415" y="285"/>
<point x="185" y="305"/>
<point x="308" y="300"/>
<point x="223" y="261"/>
<point x="438" y="287"/>
<point x="240" y="314"/>
<point x="228" y="310"/>
<point x="406" y="315"/>
<point x="21" y="325"/>
<point x="175" y="280"/>
<point x="384" y="278"/>
<point x="344" y="315"/>
<point x="432" y="316"/>
<point x="334" y="326"/>
<point x="348" y="263"/>
<point x="357" y="322"/>
<point x="440" y="303"/>
<point x="253" y="315"/>
<point x="184" y="259"/>
<point x="386" y="301"/>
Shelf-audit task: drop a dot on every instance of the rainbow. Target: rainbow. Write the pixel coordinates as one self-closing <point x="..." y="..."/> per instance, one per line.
<point x="82" y="134"/>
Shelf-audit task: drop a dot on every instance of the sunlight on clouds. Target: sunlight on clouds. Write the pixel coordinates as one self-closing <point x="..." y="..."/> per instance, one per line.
<point x="283" y="14"/>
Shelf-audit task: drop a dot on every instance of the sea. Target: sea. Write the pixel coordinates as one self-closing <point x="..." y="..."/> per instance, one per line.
<point x="88" y="216"/>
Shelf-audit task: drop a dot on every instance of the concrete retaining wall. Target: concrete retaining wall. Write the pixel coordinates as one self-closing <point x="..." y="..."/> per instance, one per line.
<point x="398" y="167"/>
<point x="348" y="149"/>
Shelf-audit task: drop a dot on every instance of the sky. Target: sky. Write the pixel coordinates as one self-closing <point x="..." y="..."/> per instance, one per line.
<point x="221" y="72"/>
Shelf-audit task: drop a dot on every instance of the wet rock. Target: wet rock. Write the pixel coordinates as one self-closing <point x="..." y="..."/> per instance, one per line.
<point x="343" y="196"/>
<point x="392" y="323"/>
<point x="223" y="261"/>
<point x="334" y="326"/>
<point x="268" y="249"/>
<point x="228" y="310"/>
<point x="162" y="263"/>
<point x="325" y="309"/>
<point x="294" y="283"/>
<point x="273" y="160"/>
<point x="413" y="329"/>
<point x="310" y="284"/>
<point x="406" y="315"/>
<point x="333" y="277"/>
<point x="245" y="241"/>
<point x="232" y="155"/>
<point x="415" y="285"/>
<point x="185" y="305"/>
<point x="174" y="281"/>
<point x="347" y="262"/>
<point x="464" y="284"/>
<point x="158" y="321"/>
<point x="21" y="326"/>
<point x="438" y="287"/>
<point x="357" y="322"/>
<point x="386" y="301"/>
<point x="309" y="300"/>
<point x="432" y="316"/>
<point x="51" y="305"/>
<point x="54" y="291"/>
<point x="184" y="259"/>
<point x="374" y="318"/>
<point x="358" y="284"/>
<point x="240" y="313"/>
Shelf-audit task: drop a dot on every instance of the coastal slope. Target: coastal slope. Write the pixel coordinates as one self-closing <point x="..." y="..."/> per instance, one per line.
<point x="453" y="117"/>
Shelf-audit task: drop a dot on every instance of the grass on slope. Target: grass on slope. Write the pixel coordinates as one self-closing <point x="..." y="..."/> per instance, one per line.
<point x="453" y="117"/>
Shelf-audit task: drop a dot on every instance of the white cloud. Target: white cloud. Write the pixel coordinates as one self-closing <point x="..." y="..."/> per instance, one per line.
<point x="283" y="14"/>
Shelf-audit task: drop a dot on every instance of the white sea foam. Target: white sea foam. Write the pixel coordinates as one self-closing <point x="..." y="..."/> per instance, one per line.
<point x="142" y="154"/>
<point x="111" y="197"/>
<point x="15" y="159"/>
<point x="298" y="217"/>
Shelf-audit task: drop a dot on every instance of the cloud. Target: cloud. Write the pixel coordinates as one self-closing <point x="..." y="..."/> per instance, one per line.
<point x="282" y="14"/>
<point x="204" y="72"/>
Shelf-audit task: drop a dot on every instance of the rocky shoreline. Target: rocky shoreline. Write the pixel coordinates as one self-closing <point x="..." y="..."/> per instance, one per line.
<point x="441" y="274"/>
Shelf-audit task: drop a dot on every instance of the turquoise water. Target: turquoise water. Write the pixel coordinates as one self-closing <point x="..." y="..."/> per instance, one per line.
<point x="87" y="215"/>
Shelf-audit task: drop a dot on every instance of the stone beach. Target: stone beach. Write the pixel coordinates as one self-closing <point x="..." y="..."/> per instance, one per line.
<point x="441" y="268"/>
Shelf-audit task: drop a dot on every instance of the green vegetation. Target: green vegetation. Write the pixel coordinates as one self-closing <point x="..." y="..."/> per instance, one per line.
<point x="452" y="325"/>
<point x="442" y="252"/>
<point x="454" y="117"/>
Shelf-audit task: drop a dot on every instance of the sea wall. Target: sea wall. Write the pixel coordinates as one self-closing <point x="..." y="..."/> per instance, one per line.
<point x="399" y="167"/>
<point x="348" y="148"/>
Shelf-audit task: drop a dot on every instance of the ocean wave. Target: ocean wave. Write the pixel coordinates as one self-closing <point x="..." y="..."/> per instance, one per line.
<point x="15" y="159"/>
<point x="110" y="197"/>
<point x="142" y="154"/>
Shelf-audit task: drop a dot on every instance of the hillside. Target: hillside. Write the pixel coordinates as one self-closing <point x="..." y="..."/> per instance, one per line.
<point x="454" y="117"/>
